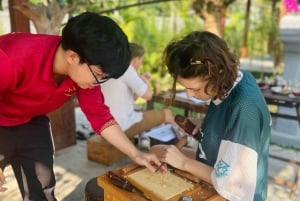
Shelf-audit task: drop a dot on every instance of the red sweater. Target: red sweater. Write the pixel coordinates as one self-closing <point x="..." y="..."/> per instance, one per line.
<point x="28" y="87"/>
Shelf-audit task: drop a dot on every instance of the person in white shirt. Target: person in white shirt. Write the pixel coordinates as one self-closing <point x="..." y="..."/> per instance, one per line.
<point x="120" y="95"/>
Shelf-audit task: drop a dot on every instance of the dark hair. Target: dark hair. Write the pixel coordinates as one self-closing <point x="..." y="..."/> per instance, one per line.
<point x="98" y="40"/>
<point x="205" y="55"/>
<point x="136" y="50"/>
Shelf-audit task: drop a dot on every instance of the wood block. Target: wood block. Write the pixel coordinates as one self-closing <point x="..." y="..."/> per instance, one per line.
<point x="99" y="150"/>
<point x="63" y="125"/>
<point x="159" y="186"/>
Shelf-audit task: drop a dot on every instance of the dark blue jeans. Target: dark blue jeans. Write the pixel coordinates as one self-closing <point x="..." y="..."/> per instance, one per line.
<point x="28" y="148"/>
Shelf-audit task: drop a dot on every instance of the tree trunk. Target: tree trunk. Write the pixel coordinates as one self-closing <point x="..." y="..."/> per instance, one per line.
<point x="47" y="19"/>
<point x="244" y="51"/>
<point x="274" y="46"/>
<point x="213" y="12"/>
<point x="211" y="24"/>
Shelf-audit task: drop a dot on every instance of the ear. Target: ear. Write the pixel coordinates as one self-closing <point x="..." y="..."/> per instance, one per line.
<point x="134" y="62"/>
<point x="72" y="57"/>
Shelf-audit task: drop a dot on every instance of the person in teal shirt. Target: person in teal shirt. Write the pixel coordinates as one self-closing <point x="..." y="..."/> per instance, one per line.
<point x="232" y="153"/>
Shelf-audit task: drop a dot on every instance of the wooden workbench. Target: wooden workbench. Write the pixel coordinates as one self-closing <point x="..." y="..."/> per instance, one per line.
<point x="201" y="192"/>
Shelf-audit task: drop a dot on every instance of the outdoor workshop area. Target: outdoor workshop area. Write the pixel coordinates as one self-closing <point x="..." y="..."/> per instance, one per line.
<point x="265" y="36"/>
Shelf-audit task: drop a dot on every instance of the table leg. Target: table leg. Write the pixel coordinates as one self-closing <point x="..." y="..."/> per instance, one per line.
<point x="298" y="112"/>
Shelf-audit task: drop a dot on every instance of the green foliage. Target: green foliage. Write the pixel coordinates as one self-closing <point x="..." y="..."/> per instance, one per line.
<point x="259" y="31"/>
<point x="159" y="106"/>
<point x="62" y="2"/>
<point x="154" y="26"/>
<point x="35" y="1"/>
<point x="262" y="26"/>
<point x="234" y="31"/>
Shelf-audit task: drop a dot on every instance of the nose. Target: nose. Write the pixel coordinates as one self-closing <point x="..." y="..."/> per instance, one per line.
<point x="190" y="93"/>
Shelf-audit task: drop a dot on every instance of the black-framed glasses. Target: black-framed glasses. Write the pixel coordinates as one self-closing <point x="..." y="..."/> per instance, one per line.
<point x="98" y="82"/>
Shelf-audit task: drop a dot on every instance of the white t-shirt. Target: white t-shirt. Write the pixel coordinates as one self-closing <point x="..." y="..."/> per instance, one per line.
<point x="119" y="97"/>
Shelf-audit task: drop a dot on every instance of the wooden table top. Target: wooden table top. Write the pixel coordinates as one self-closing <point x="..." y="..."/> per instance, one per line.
<point x="288" y="98"/>
<point x="285" y="100"/>
<point x="181" y="101"/>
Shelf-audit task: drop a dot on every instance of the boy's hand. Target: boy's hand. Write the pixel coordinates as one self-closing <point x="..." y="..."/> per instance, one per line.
<point x="146" y="77"/>
<point x="148" y="160"/>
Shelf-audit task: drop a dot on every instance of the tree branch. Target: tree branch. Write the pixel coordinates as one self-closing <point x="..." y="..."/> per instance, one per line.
<point x="135" y="4"/>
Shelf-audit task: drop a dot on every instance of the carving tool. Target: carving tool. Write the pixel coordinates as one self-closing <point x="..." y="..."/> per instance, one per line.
<point x="121" y="182"/>
<point x="187" y="126"/>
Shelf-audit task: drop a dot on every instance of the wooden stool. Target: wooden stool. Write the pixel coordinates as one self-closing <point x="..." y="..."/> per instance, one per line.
<point x="290" y="184"/>
<point x="99" y="150"/>
<point x="93" y="192"/>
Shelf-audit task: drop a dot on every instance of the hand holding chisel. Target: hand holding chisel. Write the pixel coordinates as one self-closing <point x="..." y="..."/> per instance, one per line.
<point x="180" y="144"/>
<point x="188" y="127"/>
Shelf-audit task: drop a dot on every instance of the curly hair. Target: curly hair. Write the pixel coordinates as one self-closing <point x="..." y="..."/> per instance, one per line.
<point x="205" y="55"/>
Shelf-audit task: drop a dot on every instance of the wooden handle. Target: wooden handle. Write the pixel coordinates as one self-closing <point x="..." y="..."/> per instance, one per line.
<point x="187" y="126"/>
<point x="181" y="142"/>
<point x="120" y="182"/>
<point x="128" y="168"/>
<point x="185" y="123"/>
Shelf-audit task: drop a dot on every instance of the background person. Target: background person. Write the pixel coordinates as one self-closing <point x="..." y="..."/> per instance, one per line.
<point x="120" y="95"/>
<point x="38" y="74"/>
<point x="233" y="148"/>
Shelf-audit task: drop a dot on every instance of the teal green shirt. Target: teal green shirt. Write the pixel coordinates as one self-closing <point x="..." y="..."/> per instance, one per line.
<point x="235" y="142"/>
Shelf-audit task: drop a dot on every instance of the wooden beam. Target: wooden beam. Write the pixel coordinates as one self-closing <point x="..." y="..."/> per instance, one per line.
<point x="18" y="21"/>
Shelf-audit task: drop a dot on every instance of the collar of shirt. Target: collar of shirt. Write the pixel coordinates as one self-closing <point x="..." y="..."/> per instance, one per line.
<point x="238" y="79"/>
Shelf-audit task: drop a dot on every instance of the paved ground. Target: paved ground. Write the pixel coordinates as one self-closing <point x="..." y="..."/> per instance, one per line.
<point x="73" y="170"/>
